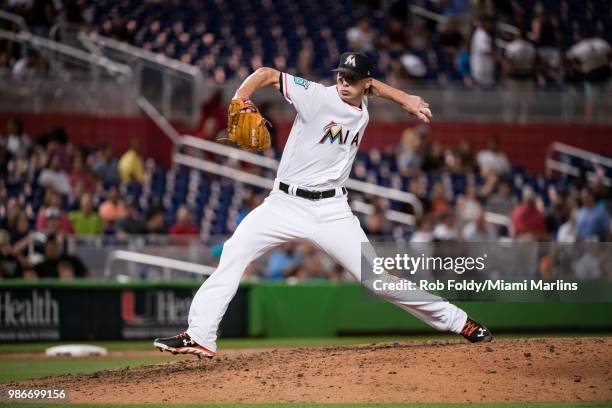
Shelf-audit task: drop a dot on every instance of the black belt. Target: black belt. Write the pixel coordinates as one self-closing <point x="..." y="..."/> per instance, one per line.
<point x="311" y="195"/>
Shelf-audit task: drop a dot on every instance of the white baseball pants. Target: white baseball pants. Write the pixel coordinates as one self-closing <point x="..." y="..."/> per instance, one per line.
<point x="328" y="223"/>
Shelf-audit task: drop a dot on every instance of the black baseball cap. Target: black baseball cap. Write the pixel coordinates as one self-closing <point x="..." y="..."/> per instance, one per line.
<point x="355" y="63"/>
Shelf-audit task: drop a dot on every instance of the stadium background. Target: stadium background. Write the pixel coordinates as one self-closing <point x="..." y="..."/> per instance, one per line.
<point x="112" y="105"/>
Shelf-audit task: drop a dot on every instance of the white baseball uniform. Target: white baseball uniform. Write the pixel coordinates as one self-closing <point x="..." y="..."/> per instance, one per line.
<point x="318" y="156"/>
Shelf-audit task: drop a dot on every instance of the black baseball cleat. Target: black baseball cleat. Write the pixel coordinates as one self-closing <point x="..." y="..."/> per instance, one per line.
<point x="182" y="344"/>
<point x="476" y="332"/>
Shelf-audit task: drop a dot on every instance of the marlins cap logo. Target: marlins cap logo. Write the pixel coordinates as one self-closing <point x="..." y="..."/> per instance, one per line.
<point x="350" y="60"/>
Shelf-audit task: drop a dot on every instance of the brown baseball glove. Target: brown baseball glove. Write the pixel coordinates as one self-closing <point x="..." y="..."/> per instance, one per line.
<point x="246" y="127"/>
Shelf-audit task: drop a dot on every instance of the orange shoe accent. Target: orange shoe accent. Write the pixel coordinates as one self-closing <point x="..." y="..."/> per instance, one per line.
<point x="469" y="328"/>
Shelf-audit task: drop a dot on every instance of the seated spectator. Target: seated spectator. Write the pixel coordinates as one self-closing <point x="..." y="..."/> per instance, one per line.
<point x="55" y="177"/>
<point x="112" y="209"/>
<point x="131" y="165"/>
<point x="567" y="231"/>
<point x="53" y="201"/>
<point x="132" y="223"/>
<point x="468" y="205"/>
<point x="155" y="223"/>
<point x="466" y="157"/>
<point x="86" y="221"/>
<point x="478" y="230"/>
<point x="10" y="267"/>
<point x="81" y="176"/>
<point x="184" y="224"/>
<point x="56" y="264"/>
<point x="105" y="166"/>
<point x="411" y="156"/>
<point x="55" y="221"/>
<point x="376" y="222"/>
<point x="434" y="156"/>
<point x="424" y="232"/>
<point x="282" y="262"/>
<point x="592" y="219"/>
<point x="313" y="264"/>
<point x="446" y="229"/>
<point x="17" y="141"/>
<point x="439" y="202"/>
<point x="502" y="201"/>
<point x="527" y="219"/>
<point x="493" y="159"/>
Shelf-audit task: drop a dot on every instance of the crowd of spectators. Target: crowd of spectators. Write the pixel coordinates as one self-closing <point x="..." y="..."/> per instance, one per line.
<point x="52" y="190"/>
<point x="521" y="44"/>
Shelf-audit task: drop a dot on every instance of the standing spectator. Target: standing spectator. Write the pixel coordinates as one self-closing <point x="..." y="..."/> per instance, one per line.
<point x="17" y="141"/>
<point x="547" y="38"/>
<point x="493" y="159"/>
<point x="131" y="165"/>
<point x="86" y="221"/>
<point x="592" y="219"/>
<point x="55" y="177"/>
<point x="112" y="209"/>
<point x="527" y="219"/>
<point x="519" y="66"/>
<point x="591" y="57"/>
<point x="482" y="59"/>
<point x="184" y="224"/>
<point x="361" y="36"/>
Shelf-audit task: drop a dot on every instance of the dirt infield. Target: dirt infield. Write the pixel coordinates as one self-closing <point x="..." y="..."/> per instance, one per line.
<point x="508" y="370"/>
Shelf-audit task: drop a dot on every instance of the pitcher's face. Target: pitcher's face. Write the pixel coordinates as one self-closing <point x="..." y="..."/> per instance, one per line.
<point x="350" y="88"/>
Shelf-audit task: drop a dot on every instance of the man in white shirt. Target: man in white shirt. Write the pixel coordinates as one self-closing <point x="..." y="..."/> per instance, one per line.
<point x="591" y="57"/>
<point x="309" y="202"/>
<point x="519" y="68"/>
<point x="482" y="59"/>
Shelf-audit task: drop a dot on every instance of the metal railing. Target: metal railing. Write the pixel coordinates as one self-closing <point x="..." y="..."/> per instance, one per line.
<point x="14" y="19"/>
<point x="553" y="164"/>
<point x="173" y="87"/>
<point x="167" y="264"/>
<point x="62" y="78"/>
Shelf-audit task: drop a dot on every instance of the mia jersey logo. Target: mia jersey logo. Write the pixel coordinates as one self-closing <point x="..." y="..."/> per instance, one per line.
<point x="333" y="132"/>
<point x="350" y="60"/>
<point x="301" y="82"/>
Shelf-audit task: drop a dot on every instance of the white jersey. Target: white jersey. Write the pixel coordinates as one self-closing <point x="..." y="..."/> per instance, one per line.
<point x="591" y="53"/>
<point x="325" y="136"/>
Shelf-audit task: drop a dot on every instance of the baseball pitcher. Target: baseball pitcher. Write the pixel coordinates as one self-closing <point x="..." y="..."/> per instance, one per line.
<point x="308" y="200"/>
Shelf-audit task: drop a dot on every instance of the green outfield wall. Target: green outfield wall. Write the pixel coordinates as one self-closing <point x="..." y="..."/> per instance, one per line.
<point x="101" y="310"/>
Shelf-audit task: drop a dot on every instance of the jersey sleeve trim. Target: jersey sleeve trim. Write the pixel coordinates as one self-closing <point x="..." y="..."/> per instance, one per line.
<point x="285" y="88"/>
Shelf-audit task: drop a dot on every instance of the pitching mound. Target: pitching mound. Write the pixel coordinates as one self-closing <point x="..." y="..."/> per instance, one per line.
<point x="514" y="370"/>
